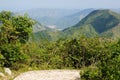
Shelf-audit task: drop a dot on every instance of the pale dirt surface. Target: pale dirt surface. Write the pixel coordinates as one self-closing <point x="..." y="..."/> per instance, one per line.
<point x="50" y="75"/>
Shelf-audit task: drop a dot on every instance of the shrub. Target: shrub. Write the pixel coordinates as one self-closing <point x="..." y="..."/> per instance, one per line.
<point x="12" y="53"/>
<point x="90" y="73"/>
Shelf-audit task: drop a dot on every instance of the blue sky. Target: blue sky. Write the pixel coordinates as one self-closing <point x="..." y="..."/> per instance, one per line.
<point x="67" y="4"/>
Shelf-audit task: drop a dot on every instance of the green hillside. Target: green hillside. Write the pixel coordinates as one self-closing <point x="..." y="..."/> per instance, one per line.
<point x="97" y="23"/>
<point x="113" y="33"/>
<point x="46" y="34"/>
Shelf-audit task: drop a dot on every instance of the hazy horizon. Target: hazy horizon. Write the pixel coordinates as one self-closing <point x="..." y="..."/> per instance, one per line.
<point x="13" y="5"/>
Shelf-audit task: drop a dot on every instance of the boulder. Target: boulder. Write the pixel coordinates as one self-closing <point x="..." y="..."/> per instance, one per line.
<point x="8" y="71"/>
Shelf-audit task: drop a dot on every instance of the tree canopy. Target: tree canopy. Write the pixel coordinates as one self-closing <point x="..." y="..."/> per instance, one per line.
<point x="15" y="30"/>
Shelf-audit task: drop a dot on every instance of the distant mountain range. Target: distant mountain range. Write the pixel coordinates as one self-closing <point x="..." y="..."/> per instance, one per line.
<point x="99" y="23"/>
<point x="73" y="19"/>
<point x="58" y="18"/>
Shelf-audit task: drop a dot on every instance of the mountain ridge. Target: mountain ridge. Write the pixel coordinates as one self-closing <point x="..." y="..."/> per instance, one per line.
<point x="99" y="21"/>
<point x="61" y="18"/>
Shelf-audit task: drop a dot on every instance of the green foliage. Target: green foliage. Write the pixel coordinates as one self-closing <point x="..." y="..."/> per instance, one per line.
<point x="4" y="15"/>
<point x="109" y="65"/>
<point x="15" y="28"/>
<point x="74" y="53"/>
<point x="12" y="53"/>
<point x="100" y="57"/>
<point x="14" y="34"/>
<point x="42" y="35"/>
<point x="23" y="26"/>
<point x="90" y="73"/>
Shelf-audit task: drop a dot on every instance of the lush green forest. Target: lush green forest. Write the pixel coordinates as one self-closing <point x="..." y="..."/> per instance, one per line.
<point x="98" y="58"/>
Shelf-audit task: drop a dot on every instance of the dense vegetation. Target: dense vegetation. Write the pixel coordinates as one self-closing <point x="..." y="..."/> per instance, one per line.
<point x="14" y="35"/>
<point x="98" y="58"/>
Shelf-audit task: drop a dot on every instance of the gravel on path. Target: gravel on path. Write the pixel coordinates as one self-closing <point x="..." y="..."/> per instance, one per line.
<point x="50" y="75"/>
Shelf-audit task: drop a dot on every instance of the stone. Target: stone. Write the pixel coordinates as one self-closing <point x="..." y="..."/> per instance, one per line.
<point x="1" y="74"/>
<point x="8" y="71"/>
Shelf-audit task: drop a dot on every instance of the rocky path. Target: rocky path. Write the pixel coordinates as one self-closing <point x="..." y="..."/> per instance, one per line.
<point x="50" y="75"/>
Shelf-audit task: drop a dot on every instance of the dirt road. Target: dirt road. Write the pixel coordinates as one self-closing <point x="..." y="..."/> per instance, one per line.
<point x="50" y="75"/>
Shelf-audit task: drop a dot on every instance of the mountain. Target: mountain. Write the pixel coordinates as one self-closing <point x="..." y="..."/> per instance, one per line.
<point x="47" y="34"/>
<point x="41" y="32"/>
<point x="45" y="12"/>
<point x="103" y="23"/>
<point x="48" y="17"/>
<point x="73" y="19"/>
<point x="99" y="23"/>
<point x="59" y="18"/>
<point x="38" y="27"/>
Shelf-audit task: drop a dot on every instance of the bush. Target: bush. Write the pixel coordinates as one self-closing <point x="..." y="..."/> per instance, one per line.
<point x="90" y="73"/>
<point x="12" y="53"/>
<point x="108" y="66"/>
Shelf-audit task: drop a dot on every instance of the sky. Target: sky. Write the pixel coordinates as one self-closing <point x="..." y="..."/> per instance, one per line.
<point x="15" y="5"/>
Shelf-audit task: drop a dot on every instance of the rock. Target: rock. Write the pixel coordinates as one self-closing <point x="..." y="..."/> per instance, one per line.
<point x="8" y="71"/>
<point x="1" y="74"/>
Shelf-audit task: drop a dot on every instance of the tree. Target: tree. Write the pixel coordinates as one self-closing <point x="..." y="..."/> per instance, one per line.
<point x="14" y="33"/>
